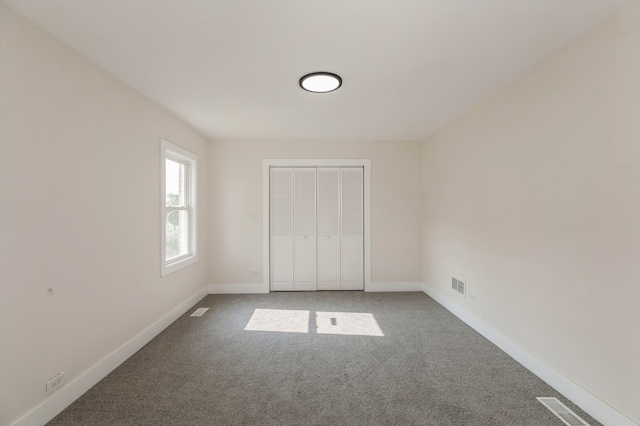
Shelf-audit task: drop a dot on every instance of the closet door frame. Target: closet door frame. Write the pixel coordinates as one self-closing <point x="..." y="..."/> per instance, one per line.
<point x="267" y="164"/>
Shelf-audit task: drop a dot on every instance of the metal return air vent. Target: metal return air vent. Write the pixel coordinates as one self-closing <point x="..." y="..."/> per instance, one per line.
<point x="562" y="412"/>
<point x="458" y="285"/>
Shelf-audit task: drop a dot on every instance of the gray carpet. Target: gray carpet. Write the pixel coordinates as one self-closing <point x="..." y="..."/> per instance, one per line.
<point x="429" y="368"/>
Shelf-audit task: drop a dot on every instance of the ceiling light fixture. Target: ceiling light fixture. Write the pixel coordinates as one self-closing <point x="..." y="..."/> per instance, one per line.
<point x="320" y="82"/>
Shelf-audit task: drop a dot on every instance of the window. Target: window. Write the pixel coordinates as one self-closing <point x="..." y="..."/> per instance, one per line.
<point x="178" y="212"/>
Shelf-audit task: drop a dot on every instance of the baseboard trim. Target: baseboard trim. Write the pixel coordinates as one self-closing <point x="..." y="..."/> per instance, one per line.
<point x="238" y="288"/>
<point x="50" y="408"/>
<point x="393" y="286"/>
<point x="261" y="288"/>
<point x="590" y="403"/>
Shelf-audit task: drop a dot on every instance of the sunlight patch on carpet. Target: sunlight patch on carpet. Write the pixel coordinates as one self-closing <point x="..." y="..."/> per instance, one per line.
<point x="279" y="320"/>
<point x="297" y="321"/>
<point x="347" y="323"/>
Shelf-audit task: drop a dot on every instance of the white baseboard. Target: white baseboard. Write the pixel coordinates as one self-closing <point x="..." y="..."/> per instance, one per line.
<point x="74" y="389"/>
<point x="590" y="403"/>
<point x="261" y="288"/>
<point x="393" y="286"/>
<point x="238" y="288"/>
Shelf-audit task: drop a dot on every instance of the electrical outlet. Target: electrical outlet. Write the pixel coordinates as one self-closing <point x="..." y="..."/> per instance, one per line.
<point x="255" y="272"/>
<point x="55" y="383"/>
<point x="472" y="297"/>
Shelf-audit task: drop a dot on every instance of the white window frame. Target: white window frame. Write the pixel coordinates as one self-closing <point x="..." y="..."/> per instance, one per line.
<point x="176" y="153"/>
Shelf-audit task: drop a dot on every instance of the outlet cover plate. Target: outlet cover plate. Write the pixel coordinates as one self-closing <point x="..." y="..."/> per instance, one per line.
<point x="55" y="383"/>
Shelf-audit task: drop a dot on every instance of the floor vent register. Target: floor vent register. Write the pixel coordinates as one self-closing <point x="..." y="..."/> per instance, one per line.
<point x="562" y="412"/>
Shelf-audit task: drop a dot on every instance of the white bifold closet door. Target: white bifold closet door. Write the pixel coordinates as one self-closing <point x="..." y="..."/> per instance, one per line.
<point x="329" y="245"/>
<point x="304" y="220"/>
<point x="352" y="235"/>
<point x="281" y="244"/>
<point x="317" y="230"/>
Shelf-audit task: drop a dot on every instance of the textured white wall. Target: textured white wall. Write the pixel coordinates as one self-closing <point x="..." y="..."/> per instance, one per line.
<point x="235" y="172"/>
<point x="533" y="198"/>
<point x="79" y="174"/>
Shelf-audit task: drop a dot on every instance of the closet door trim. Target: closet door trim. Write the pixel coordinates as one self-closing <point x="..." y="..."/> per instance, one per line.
<point x="267" y="164"/>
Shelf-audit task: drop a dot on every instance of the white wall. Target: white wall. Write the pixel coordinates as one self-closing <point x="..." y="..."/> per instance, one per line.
<point x="79" y="168"/>
<point x="533" y="198"/>
<point x="235" y="173"/>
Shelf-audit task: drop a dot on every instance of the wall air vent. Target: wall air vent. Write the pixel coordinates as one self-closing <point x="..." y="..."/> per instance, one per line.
<point x="562" y="412"/>
<point x="198" y="312"/>
<point x="458" y="286"/>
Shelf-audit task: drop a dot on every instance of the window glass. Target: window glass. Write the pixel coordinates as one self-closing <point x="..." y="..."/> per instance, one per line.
<point x="175" y="183"/>
<point x="177" y="239"/>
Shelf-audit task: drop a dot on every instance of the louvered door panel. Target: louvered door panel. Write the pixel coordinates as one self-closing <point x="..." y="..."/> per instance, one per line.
<point x="305" y="229"/>
<point x="352" y="256"/>
<point x="352" y="202"/>
<point x="281" y="214"/>
<point x="328" y="229"/>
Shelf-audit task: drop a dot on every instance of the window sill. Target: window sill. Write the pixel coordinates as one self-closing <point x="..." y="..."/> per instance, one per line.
<point x="176" y="265"/>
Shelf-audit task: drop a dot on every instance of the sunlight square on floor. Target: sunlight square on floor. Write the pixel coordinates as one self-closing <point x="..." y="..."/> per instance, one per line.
<point x="279" y="320"/>
<point x="347" y="323"/>
<point x="300" y="321"/>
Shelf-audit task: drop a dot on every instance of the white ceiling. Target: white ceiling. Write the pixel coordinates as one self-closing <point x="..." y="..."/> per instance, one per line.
<point x="230" y="68"/>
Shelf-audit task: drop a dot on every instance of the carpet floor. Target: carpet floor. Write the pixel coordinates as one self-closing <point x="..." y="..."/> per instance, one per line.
<point x="318" y="358"/>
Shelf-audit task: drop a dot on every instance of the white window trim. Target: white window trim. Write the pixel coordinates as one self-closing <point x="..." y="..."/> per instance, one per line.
<point x="266" y="166"/>
<point x="169" y="150"/>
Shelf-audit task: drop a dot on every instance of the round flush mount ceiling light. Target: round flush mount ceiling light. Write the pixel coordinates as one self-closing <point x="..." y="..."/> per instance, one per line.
<point x="320" y="82"/>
